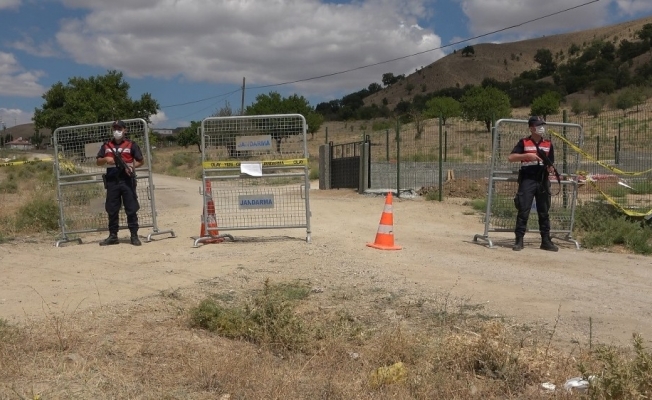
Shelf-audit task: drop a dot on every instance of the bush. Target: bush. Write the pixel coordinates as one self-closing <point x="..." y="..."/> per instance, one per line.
<point x="267" y="319"/>
<point x="601" y="225"/>
<point x="9" y="185"/>
<point x="189" y="159"/>
<point x="38" y="214"/>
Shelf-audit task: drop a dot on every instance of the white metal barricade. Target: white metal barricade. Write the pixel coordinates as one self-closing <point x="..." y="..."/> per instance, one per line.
<point x="257" y="170"/>
<point x="80" y="190"/>
<point x="500" y="215"/>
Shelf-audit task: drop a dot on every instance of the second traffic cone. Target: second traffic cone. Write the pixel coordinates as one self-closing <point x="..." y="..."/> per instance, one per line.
<point x="385" y="235"/>
<point x="209" y="219"/>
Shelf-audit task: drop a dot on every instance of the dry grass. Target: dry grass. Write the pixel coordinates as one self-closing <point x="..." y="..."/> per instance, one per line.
<point x="149" y="350"/>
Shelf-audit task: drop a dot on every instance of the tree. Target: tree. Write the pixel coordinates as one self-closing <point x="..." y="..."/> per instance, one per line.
<point x="90" y="100"/>
<point x="484" y="104"/>
<point x="190" y="135"/>
<point x="645" y="34"/>
<point x="388" y="79"/>
<point x="273" y="103"/>
<point x="468" y="51"/>
<point x="547" y="65"/>
<point x="444" y="107"/>
<point x="374" y="87"/>
<point x="225" y="111"/>
<point x="37" y="139"/>
<point x="628" y="98"/>
<point x="546" y="104"/>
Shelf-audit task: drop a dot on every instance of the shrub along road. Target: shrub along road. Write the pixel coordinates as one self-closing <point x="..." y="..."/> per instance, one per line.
<point x="438" y="260"/>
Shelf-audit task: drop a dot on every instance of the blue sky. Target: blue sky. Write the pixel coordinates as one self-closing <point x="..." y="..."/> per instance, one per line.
<point x="185" y="51"/>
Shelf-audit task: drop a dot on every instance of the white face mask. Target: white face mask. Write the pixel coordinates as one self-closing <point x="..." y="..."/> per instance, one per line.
<point x="541" y="130"/>
<point x="117" y="135"/>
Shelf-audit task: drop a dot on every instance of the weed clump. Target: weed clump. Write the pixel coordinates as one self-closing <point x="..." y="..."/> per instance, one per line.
<point x="266" y="319"/>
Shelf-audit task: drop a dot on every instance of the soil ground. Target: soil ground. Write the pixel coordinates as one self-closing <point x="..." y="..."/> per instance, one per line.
<point x="563" y="290"/>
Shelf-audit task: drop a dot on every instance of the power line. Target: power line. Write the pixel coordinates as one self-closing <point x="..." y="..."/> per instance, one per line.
<point x="397" y="58"/>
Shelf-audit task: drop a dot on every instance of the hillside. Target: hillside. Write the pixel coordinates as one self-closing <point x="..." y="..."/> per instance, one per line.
<point x="502" y="62"/>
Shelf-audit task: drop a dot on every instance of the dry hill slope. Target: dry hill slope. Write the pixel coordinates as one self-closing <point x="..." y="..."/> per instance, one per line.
<point x="499" y="61"/>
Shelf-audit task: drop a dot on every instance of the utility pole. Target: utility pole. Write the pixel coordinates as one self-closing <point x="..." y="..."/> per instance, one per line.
<point x="243" y="92"/>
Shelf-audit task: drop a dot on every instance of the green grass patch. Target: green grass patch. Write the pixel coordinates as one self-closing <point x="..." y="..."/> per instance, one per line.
<point x="642" y="187"/>
<point x="268" y="318"/>
<point x="39" y="213"/>
<point x="9" y="185"/>
<point x="602" y="225"/>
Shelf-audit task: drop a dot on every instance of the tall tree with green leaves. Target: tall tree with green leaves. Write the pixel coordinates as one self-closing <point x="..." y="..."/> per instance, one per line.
<point x="468" y="51"/>
<point x="444" y="107"/>
<point x="274" y="103"/>
<point x="484" y="104"/>
<point x="546" y="104"/>
<point x="90" y="100"/>
<point x="547" y="65"/>
<point x="190" y="135"/>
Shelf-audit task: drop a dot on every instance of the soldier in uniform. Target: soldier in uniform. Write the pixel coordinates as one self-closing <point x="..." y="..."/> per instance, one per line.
<point x="120" y="183"/>
<point x="533" y="182"/>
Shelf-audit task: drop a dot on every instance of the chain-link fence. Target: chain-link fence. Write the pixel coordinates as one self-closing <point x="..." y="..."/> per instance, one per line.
<point x="453" y="157"/>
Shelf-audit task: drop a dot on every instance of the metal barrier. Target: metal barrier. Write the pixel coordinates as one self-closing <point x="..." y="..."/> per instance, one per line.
<point x="80" y="191"/>
<point x="500" y="213"/>
<point x="257" y="167"/>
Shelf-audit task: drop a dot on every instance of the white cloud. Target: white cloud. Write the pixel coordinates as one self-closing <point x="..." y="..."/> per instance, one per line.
<point x="267" y="42"/>
<point x="631" y="7"/>
<point x="46" y="48"/>
<point x="491" y="15"/>
<point x="16" y="81"/>
<point x="5" y="4"/>
<point x="13" y="116"/>
<point x="158" y="118"/>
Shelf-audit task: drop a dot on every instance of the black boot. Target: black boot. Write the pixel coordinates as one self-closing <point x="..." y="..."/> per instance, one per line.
<point x="112" y="239"/>
<point x="134" y="239"/>
<point x="547" y="244"/>
<point x="518" y="244"/>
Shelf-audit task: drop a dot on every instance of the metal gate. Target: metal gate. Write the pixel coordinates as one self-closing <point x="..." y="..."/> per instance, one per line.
<point x="80" y="191"/>
<point x="500" y="215"/>
<point x="257" y="168"/>
<point x="345" y="161"/>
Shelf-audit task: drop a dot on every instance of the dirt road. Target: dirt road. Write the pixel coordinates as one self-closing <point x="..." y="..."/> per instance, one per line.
<point x="438" y="258"/>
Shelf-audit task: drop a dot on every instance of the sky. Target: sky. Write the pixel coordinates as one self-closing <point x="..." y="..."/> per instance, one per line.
<point x="192" y="55"/>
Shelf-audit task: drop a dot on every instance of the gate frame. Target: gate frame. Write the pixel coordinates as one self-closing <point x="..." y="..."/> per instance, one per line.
<point x="508" y="176"/>
<point x="92" y="179"/>
<point x="206" y="176"/>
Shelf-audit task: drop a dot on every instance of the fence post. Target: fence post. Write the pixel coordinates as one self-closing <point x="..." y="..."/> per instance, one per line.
<point x="441" y="160"/>
<point x="598" y="148"/>
<point x="387" y="143"/>
<point x="616" y="149"/>
<point x="324" y="167"/>
<point x="363" y="181"/>
<point x="446" y="145"/>
<point x="326" y="141"/>
<point x="619" y="124"/>
<point x="398" y="158"/>
<point x="564" y="168"/>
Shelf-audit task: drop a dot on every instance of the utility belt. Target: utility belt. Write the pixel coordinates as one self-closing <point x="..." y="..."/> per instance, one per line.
<point x="540" y="176"/>
<point x="116" y="178"/>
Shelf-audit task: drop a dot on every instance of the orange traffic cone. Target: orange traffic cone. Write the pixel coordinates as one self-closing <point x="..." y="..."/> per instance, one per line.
<point x="209" y="218"/>
<point x="385" y="236"/>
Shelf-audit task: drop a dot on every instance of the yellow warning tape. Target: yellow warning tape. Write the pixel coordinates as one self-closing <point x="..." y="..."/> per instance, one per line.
<point x="615" y="203"/>
<point x="615" y="170"/>
<point x="587" y="155"/>
<point x="267" y="163"/>
<point x="9" y="164"/>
